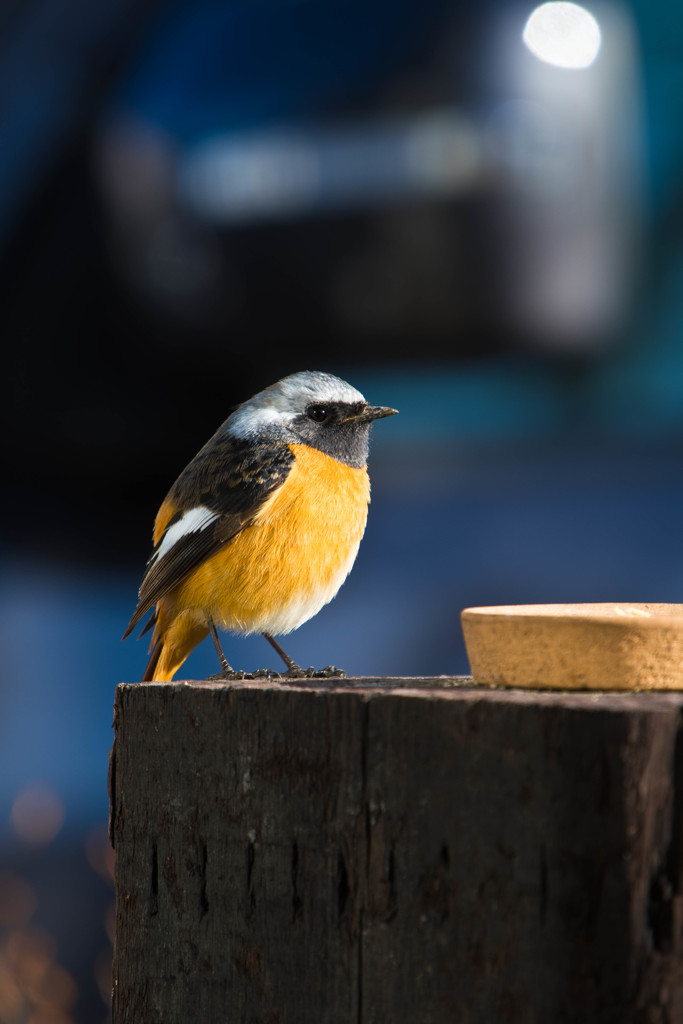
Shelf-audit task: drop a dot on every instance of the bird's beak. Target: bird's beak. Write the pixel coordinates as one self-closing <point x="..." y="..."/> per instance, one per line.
<point x="373" y="412"/>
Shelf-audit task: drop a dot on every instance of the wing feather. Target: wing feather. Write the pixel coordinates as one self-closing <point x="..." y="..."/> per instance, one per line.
<point x="230" y="479"/>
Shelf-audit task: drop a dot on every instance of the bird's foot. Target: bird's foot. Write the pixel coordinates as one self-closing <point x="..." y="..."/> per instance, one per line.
<point x="296" y="672"/>
<point x="259" y="673"/>
<point x="330" y="672"/>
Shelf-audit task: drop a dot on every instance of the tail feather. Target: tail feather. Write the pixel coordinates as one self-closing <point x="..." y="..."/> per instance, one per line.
<point x="174" y="638"/>
<point x="155" y="654"/>
<point x="151" y="621"/>
<point x="139" y="612"/>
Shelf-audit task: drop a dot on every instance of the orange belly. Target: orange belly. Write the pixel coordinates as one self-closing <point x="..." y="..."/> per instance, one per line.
<point x="281" y="570"/>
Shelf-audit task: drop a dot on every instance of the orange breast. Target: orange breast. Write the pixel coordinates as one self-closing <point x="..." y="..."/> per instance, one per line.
<point x="281" y="570"/>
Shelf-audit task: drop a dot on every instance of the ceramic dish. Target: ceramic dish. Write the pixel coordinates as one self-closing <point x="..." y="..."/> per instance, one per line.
<point x="576" y="646"/>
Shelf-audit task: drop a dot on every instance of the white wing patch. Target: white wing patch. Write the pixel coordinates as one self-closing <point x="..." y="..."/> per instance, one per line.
<point x="194" y="520"/>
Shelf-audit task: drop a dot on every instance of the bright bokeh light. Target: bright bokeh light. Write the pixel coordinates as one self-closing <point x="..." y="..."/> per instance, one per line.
<point x="563" y="34"/>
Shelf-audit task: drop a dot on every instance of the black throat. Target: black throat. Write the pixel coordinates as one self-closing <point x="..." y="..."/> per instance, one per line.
<point x="340" y="434"/>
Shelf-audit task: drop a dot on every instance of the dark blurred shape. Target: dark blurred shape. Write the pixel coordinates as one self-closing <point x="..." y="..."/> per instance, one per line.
<point x="57" y="61"/>
<point x="264" y="187"/>
<point x="484" y="191"/>
<point x="17" y="900"/>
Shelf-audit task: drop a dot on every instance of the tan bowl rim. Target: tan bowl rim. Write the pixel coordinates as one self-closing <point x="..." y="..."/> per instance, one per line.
<point x="588" y="612"/>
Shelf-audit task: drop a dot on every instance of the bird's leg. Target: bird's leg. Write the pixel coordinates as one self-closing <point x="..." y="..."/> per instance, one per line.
<point x="292" y="668"/>
<point x="297" y="672"/>
<point x="227" y="670"/>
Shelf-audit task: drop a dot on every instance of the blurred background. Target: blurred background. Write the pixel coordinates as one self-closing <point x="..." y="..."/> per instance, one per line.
<point x="472" y="212"/>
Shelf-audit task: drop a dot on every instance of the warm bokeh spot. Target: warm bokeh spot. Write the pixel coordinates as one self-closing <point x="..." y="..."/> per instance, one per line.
<point x="37" y="814"/>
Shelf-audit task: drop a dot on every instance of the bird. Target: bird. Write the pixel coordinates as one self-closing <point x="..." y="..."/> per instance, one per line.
<point x="262" y="527"/>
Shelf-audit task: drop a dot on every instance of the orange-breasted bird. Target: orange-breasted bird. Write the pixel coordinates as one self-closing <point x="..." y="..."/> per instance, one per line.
<point x="261" y="529"/>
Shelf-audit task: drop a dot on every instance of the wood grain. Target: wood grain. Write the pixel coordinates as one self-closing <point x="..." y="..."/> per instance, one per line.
<point x="394" y="851"/>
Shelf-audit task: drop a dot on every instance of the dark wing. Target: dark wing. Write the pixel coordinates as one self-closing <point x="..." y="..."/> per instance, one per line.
<point x="230" y="479"/>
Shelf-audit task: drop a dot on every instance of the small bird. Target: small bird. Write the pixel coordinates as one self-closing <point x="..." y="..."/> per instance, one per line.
<point x="261" y="529"/>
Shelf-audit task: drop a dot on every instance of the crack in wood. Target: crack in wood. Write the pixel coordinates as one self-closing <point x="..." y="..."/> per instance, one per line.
<point x="542" y="885"/>
<point x="297" y="902"/>
<point x="251" y="894"/>
<point x="392" y="901"/>
<point x="154" y="883"/>
<point x="203" y="898"/>
<point x="342" y="886"/>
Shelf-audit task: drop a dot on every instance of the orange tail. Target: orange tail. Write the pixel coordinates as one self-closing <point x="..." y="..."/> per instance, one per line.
<point x="174" y="638"/>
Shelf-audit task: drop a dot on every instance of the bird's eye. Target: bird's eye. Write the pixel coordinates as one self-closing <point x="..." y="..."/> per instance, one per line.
<point x="317" y="413"/>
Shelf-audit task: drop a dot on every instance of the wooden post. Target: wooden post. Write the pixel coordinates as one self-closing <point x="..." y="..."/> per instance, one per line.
<point x="396" y="852"/>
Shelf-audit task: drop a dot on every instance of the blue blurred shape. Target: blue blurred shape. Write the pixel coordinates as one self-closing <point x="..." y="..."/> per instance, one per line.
<point x="61" y="655"/>
<point x="214" y="66"/>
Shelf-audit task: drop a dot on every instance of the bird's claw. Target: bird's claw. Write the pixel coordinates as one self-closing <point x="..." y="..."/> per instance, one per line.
<point x="294" y="672"/>
<point x="330" y="672"/>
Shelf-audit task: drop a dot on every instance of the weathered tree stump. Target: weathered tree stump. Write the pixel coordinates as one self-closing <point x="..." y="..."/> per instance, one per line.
<point x="396" y="852"/>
